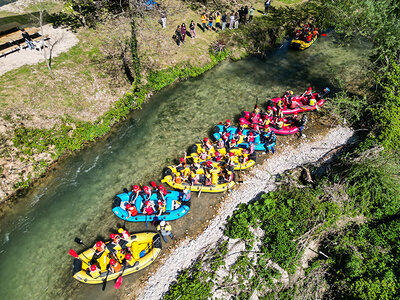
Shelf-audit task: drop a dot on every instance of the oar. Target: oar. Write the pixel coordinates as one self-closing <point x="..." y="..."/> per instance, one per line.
<point x="146" y="220"/>
<point x="153" y="184"/>
<point x="240" y="173"/>
<point x="79" y="241"/>
<point x="201" y="188"/>
<point x="119" y="280"/>
<point x="105" y="280"/>
<point x="74" y="254"/>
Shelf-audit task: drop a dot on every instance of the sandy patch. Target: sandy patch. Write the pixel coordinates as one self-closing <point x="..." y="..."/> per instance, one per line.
<point x="260" y="179"/>
<point x="66" y="39"/>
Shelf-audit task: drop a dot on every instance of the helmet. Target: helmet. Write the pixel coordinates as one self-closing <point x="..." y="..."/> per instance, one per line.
<point x="241" y="122"/>
<point x="208" y="175"/>
<point x="229" y="172"/>
<point x="193" y="175"/>
<point x="161" y="187"/>
<point x="269" y="107"/>
<point x="228" y="121"/>
<point x="253" y="115"/>
<point x="120" y="230"/>
<point x="136" y="188"/>
<point x="162" y="223"/>
<point x="206" y="139"/>
<point x="99" y="244"/>
<point x="310" y="88"/>
<point x="220" y="139"/>
<point x="93" y="268"/>
<point x="291" y="92"/>
<point x="112" y="261"/>
<point x="182" y="159"/>
<point x="146" y="188"/>
<point x="280" y="119"/>
<point x="251" y="134"/>
<point x="239" y="132"/>
<point x="231" y="154"/>
<point x="209" y="163"/>
<point x="128" y="256"/>
<point x="112" y="235"/>
<point x="228" y="134"/>
<point x="216" y="153"/>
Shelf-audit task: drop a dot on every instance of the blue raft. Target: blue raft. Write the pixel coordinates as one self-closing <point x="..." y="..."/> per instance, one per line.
<point x="175" y="207"/>
<point x="266" y="142"/>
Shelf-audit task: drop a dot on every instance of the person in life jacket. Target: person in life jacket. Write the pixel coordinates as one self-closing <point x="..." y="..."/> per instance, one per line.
<point x="162" y="190"/>
<point x="269" y="113"/>
<point x="231" y="144"/>
<point x="115" y="266"/>
<point x="229" y="176"/>
<point x="250" y="137"/>
<point x="129" y="260"/>
<point x="161" y="207"/>
<point x="207" y="180"/>
<point x="256" y="109"/>
<point x="114" y="246"/>
<point x="182" y="164"/>
<point x="265" y="122"/>
<point x="220" y="143"/>
<point x="254" y="118"/>
<point x="309" y="37"/>
<point x="231" y="160"/>
<point x="178" y="178"/>
<point x="135" y="191"/>
<point x="297" y="35"/>
<point x="149" y="208"/>
<point x="242" y="125"/>
<point x="100" y="255"/>
<point x="279" y="123"/>
<point x="124" y="235"/>
<point x="217" y="156"/>
<point x="255" y="128"/>
<point x="209" y="166"/>
<point x="194" y="178"/>
<point x="227" y="125"/>
<point x="131" y="209"/>
<point x="225" y="136"/>
<point x="186" y="195"/>
<point x="312" y="101"/>
<point x="315" y="32"/>
<point x="147" y="191"/>
<point x="203" y="154"/>
<point x="94" y="271"/>
<point x="207" y="144"/>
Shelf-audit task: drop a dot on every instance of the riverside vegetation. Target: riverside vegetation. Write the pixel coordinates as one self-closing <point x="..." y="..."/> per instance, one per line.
<point x="347" y="214"/>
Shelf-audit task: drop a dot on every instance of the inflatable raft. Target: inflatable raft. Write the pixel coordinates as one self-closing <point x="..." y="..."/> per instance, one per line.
<point x="218" y="183"/>
<point x="144" y="248"/>
<point x="299" y="104"/>
<point x="175" y="207"/>
<point x="302" y="45"/>
<point x="241" y="160"/>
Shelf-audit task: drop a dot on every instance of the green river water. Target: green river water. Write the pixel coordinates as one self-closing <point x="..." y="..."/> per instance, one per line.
<point x="76" y="198"/>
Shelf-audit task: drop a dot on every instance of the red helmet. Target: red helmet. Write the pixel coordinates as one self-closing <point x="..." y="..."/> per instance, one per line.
<point x="93" y="268"/>
<point x="209" y="163"/>
<point x="128" y="256"/>
<point x="253" y="115"/>
<point x="112" y="261"/>
<point x="254" y="126"/>
<point x="310" y="88"/>
<point x="216" y="153"/>
<point x="251" y="134"/>
<point x="136" y="188"/>
<point x="128" y="206"/>
<point x="231" y="154"/>
<point x="269" y="107"/>
<point x="113" y="235"/>
<point x="241" y="122"/>
<point x="228" y="121"/>
<point x="239" y="132"/>
<point x="146" y="188"/>
<point x="206" y="139"/>
<point x="280" y="119"/>
<point x="99" y="244"/>
<point x="161" y="187"/>
<point x="228" y="134"/>
<point x="182" y="159"/>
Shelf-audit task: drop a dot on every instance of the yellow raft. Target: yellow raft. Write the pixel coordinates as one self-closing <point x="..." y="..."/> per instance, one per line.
<point x="213" y="188"/>
<point x="222" y="151"/>
<point x="302" y="45"/>
<point x="144" y="248"/>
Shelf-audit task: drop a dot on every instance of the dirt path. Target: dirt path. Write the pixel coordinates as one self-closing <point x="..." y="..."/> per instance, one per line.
<point x="259" y="179"/>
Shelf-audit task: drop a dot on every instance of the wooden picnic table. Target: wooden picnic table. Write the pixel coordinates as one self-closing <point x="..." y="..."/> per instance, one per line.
<point x="5" y="28"/>
<point x="16" y="35"/>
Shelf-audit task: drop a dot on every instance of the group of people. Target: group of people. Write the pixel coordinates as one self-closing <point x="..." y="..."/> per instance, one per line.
<point x="181" y="32"/>
<point x="149" y="206"/>
<point x="306" y="33"/>
<point x="113" y="256"/>
<point x="220" y="21"/>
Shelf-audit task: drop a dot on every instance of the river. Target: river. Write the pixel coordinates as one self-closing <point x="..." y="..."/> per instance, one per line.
<point x="76" y="198"/>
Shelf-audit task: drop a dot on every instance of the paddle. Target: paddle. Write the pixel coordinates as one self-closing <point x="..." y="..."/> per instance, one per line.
<point x="201" y="188"/>
<point x="240" y="173"/>
<point x="79" y="241"/>
<point x="145" y="218"/>
<point x="153" y="184"/>
<point x="323" y="34"/>
<point x="105" y="279"/>
<point x="119" y="280"/>
<point x="74" y="254"/>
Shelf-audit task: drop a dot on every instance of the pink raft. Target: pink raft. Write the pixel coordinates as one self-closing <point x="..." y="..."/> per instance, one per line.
<point x="299" y="104"/>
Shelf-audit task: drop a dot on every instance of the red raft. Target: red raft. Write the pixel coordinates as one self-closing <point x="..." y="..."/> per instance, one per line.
<point x="280" y="126"/>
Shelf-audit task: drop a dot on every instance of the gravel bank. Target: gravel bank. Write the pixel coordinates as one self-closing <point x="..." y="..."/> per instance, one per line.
<point x="259" y="179"/>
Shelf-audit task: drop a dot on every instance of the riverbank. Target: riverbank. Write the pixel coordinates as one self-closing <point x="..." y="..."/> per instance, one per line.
<point x="259" y="180"/>
<point x="88" y="100"/>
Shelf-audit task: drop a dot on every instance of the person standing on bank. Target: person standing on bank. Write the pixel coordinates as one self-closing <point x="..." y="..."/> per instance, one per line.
<point x="251" y="13"/>
<point x="267" y="5"/>
<point x="183" y="32"/>
<point x="164" y="19"/>
<point x="192" y="27"/>
<point x="178" y="35"/>
<point x="223" y="21"/>
<point x="165" y="230"/>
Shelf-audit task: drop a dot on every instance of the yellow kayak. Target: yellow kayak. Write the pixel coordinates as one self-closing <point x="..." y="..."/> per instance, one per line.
<point x="302" y="45"/>
<point x="213" y="188"/>
<point x="143" y="247"/>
